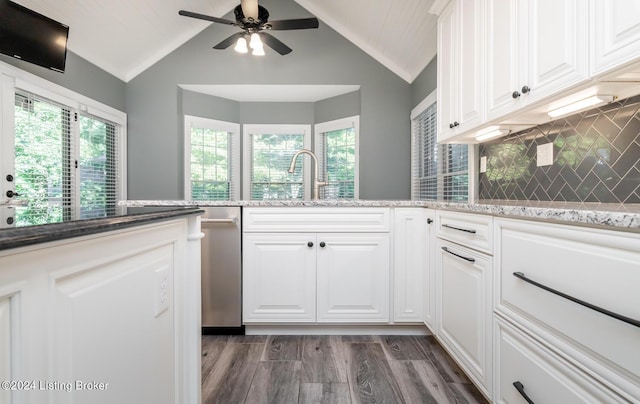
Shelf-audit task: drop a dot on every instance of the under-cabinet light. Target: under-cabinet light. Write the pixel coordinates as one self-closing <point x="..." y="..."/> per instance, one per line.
<point x="490" y="132"/>
<point x="580" y="104"/>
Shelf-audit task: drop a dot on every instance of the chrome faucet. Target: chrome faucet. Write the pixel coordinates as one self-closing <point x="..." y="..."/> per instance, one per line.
<point x="316" y="182"/>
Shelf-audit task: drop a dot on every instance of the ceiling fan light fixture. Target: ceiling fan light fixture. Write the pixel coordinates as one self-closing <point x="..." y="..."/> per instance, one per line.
<point x="255" y="41"/>
<point x="241" y="46"/>
<point x="259" y="51"/>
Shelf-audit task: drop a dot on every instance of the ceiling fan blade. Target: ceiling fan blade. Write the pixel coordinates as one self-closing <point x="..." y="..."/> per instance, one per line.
<point x="301" y="23"/>
<point x="275" y="43"/>
<point x="250" y="8"/>
<point x="229" y="41"/>
<point x="205" y="17"/>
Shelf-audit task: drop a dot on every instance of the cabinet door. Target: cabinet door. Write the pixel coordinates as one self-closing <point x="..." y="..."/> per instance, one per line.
<point x="464" y="297"/>
<point x="470" y="81"/>
<point x="353" y="277"/>
<point x="503" y="56"/>
<point x="279" y="282"/>
<point x="410" y="264"/>
<point x="557" y="47"/>
<point x="615" y="35"/>
<point x="447" y="72"/>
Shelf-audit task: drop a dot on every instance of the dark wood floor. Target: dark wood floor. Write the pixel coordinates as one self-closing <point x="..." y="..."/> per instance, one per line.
<point x="331" y="370"/>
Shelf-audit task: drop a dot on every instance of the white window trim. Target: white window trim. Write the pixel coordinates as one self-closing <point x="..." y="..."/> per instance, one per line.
<point x="191" y="121"/>
<point x="338" y="124"/>
<point x="12" y="78"/>
<point x="259" y="129"/>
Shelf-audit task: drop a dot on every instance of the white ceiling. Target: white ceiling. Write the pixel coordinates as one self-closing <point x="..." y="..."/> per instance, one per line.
<point x="125" y="37"/>
<point x="272" y="93"/>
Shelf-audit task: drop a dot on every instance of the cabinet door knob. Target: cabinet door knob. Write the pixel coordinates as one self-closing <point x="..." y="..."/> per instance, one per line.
<point x="525" y="89"/>
<point x="11" y="194"/>
<point x="429" y="221"/>
<point x="310" y="244"/>
<point x="453" y="125"/>
<point x="515" y="94"/>
<point x="322" y="244"/>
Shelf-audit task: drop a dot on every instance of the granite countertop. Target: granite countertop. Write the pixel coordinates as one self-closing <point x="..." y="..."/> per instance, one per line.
<point x="30" y="235"/>
<point x="619" y="216"/>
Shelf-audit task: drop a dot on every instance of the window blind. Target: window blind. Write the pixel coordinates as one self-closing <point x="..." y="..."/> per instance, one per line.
<point x="270" y="156"/>
<point x="439" y="172"/>
<point x="97" y="166"/>
<point x="337" y="159"/>
<point x="43" y="150"/>
<point x="211" y="164"/>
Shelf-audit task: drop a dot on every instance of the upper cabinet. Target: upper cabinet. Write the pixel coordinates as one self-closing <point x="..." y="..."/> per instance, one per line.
<point x="615" y="35"/>
<point x="502" y="63"/>
<point x="460" y="42"/>
<point x="536" y="48"/>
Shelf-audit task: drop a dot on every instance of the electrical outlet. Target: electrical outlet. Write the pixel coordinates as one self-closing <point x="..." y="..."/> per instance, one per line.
<point x="544" y="154"/>
<point x="162" y="291"/>
<point x="483" y="164"/>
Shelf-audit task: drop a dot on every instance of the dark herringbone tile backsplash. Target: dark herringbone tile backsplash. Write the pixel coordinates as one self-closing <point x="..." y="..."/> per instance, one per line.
<point x="596" y="158"/>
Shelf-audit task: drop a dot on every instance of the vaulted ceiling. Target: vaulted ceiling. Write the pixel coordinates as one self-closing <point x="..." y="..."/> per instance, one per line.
<point x="125" y="37"/>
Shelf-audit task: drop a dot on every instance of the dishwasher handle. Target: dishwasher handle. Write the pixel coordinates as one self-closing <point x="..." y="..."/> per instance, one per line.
<point x="233" y="220"/>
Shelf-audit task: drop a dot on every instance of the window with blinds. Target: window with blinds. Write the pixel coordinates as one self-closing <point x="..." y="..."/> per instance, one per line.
<point x="269" y="152"/>
<point x="337" y="150"/>
<point x="43" y="147"/>
<point x="439" y="172"/>
<point x="212" y="159"/>
<point x="97" y="166"/>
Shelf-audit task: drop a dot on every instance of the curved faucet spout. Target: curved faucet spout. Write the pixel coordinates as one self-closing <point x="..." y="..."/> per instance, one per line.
<point x="316" y="179"/>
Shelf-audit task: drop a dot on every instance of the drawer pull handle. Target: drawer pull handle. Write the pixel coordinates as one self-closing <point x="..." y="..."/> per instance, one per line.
<point x="458" y="255"/>
<point x="458" y="228"/>
<point x="578" y="301"/>
<point x="520" y="389"/>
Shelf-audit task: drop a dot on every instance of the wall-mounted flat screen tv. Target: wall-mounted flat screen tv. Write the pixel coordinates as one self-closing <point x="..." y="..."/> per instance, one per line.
<point x="32" y="37"/>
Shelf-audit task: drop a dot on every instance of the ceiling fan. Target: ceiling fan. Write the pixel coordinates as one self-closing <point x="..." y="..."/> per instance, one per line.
<point x="253" y="19"/>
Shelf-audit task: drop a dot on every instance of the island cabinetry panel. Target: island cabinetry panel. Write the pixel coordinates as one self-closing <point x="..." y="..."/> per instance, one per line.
<point x="331" y="271"/>
<point x="109" y="308"/>
<point x="574" y="289"/>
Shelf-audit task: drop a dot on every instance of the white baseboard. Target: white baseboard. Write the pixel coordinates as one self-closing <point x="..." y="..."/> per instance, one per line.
<point x="270" y="329"/>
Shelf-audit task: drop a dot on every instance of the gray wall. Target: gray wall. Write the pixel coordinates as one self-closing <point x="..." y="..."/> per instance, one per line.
<point x="425" y="83"/>
<point x="322" y="56"/>
<point x="341" y="106"/>
<point x="82" y="77"/>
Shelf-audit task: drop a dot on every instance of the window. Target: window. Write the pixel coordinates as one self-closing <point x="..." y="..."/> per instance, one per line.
<point x="268" y="152"/>
<point x="336" y="145"/>
<point x="212" y="164"/>
<point x="439" y="172"/>
<point x="61" y="150"/>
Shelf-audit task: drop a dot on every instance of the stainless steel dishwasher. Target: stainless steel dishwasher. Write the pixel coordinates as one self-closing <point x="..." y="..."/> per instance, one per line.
<point x="222" y="271"/>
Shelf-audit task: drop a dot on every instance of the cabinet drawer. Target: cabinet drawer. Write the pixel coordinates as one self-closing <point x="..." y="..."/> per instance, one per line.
<point x="312" y="219"/>
<point x="543" y="376"/>
<point x="468" y="229"/>
<point x="599" y="267"/>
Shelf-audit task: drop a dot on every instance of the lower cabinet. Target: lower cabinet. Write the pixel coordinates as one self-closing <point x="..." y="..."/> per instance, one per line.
<point x="464" y="309"/>
<point x="316" y="277"/>
<point x="531" y="373"/>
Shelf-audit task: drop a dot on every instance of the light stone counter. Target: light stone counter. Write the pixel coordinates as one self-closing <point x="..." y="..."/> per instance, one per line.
<point x="620" y="216"/>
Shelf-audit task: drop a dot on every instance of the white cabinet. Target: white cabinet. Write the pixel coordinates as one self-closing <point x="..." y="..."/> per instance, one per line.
<point x="527" y="368"/>
<point x="297" y="270"/>
<point x="464" y="292"/>
<point x="536" y="49"/>
<point x="353" y="277"/>
<point x="615" y="36"/>
<point x="413" y="271"/>
<point x="460" y="42"/>
<point x="464" y="309"/>
<point x="540" y="266"/>
<point x="279" y="276"/>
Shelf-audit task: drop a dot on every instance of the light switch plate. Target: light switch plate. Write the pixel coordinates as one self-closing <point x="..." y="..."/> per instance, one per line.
<point x="483" y="164"/>
<point x="162" y="290"/>
<point x="544" y="154"/>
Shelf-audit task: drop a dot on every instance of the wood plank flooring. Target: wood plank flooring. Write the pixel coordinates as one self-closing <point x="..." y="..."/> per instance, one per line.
<point x="331" y="370"/>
